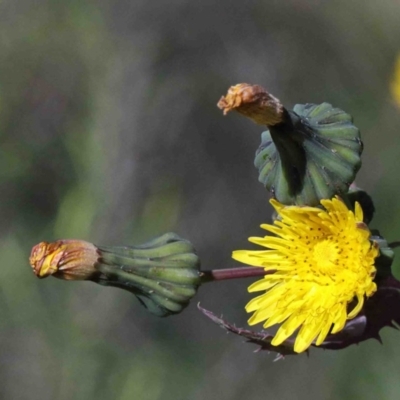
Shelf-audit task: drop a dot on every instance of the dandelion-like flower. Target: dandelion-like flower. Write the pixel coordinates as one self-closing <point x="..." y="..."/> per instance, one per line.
<point x="321" y="268"/>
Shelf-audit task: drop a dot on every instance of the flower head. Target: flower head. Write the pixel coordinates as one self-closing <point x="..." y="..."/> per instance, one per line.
<point x="321" y="267"/>
<point x="65" y="259"/>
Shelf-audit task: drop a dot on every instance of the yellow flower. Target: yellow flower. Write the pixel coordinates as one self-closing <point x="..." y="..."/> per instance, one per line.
<point x="395" y="82"/>
<point x="321" y="266"/>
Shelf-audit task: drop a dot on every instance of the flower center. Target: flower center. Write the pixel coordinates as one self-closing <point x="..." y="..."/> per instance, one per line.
<point x="325" y="255"/>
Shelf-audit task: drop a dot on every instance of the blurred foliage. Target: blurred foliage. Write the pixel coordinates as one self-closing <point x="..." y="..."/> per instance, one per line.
<point x="109" y="132"/>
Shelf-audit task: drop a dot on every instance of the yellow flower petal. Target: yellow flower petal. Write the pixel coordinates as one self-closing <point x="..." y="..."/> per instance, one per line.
<point x="323" y="260"/>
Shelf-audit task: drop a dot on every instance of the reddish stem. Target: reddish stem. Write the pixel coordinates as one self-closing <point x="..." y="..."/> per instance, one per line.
<point x="390" y="282"/>
<point x="233" y="273"/>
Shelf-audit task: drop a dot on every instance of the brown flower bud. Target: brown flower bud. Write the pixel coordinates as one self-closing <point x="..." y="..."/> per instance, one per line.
<point x="254" y="102"/>
<point x="64" y="259"/>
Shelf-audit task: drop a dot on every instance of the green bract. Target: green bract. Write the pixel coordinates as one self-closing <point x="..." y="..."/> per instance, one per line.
<point x="313" y="154"/>
<point x="163" y="273"/>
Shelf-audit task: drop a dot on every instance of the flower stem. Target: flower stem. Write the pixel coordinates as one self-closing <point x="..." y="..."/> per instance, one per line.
<point x="233" y="273"/>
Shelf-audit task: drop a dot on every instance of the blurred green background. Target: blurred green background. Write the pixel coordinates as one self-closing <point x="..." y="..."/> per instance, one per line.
<point x="110" y="132"/>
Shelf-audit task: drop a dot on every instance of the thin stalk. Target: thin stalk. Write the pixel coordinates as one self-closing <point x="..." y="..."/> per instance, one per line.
<point x="233" y="273"/>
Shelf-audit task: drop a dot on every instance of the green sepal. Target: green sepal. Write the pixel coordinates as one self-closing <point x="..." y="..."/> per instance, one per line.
<point x="313" y="154"/>
<point x="163" y="274"/>
<point x="384" y="261"/>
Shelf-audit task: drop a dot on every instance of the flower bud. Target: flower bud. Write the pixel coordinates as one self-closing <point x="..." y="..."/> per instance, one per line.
<point x="163" y="273"/>
<point x="306" y="155"/>
<point x="64" y="259"/>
